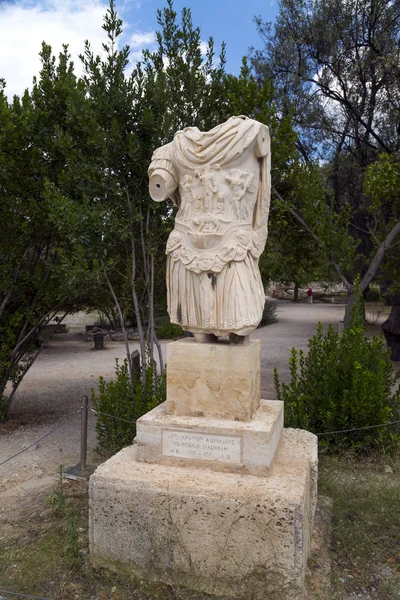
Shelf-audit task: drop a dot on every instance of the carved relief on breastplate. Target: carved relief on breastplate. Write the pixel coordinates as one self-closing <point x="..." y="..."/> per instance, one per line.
<point x="219" y="181"/>
<point x="213" y="223"/>
<point x="226" y="194"/>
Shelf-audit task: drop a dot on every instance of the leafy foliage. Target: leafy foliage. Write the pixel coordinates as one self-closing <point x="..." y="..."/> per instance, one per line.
<point x="335" y="69"/>
<point x="169" y="331"/>
<point x="77" y="224"/>
<point x="373" y="294"/>
<point x="343" y="382"/>
<point x="32" y="286"/>
<point x="116" y="398"/>
<point x="382" y="185"/>
<point x="117" y="233"/>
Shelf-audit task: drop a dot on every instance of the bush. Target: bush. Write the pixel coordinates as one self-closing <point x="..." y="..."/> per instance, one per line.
<point x="169" y="331"/>
<point x="344" y="382"/>
<point x="269" y="314"/>
<point x="116" y="399"/>
<point x="3" y="408"/>
<point x="373" y="294"/>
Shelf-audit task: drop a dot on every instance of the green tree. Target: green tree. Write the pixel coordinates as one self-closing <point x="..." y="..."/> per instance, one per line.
<point x="335" y="67"/>
<point x="193" y="86"/>
<point x="32" y="286"/>
<point x="382" y="184"/>
<point x="290" y="254"/>
<point x="117" y="233"/>
<point x="335" y="64"/>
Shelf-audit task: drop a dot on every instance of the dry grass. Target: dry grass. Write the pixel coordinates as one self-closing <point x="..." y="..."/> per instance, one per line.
<point x="365" y="548"/>
<point x="50" y="557"/>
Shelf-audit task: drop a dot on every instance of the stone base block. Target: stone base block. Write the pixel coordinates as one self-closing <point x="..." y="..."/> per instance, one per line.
<point x="222" y="533"/>
<point x="213" y="380"/>
<point x="219" y="444"/>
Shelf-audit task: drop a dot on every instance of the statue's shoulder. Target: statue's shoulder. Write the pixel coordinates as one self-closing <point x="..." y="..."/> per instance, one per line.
<point x="163" y="152"/>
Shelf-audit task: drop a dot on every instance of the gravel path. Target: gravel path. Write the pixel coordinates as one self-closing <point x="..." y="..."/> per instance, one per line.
<point x="296" y="324"/>
<point x="68" y="368"/>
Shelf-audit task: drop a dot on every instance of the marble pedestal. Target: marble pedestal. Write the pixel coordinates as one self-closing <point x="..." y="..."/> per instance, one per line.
<point x="213" y="380"/>
<point x="220" y="505"/>
<point x="218" y="444"/>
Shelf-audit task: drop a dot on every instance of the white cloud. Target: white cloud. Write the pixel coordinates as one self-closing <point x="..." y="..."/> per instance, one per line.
<point x="127" y="5"/>
<point x="26" y="24"/>
<point x="142" y="39"/>
<point x="203" y="48"/>
<point x="135" y="57"/>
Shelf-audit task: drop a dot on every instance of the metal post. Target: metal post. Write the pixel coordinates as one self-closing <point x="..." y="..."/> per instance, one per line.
<point x="84" y="419"/>
<point x="81" y="470"/>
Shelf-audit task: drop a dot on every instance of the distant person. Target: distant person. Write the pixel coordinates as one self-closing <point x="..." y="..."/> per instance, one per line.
<point x="309" y="295"/>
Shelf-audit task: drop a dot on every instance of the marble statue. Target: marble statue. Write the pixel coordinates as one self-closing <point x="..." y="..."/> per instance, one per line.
<point x="220" y="183"/>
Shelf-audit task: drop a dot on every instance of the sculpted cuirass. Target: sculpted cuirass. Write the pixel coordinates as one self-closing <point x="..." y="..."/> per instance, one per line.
<point x="220" y="182"/>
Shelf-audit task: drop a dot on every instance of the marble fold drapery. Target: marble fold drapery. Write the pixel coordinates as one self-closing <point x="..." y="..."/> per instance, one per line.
<point x="220" y="182"/>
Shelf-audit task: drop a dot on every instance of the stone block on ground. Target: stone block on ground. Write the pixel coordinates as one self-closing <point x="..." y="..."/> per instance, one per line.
<point x="226" y="534"/>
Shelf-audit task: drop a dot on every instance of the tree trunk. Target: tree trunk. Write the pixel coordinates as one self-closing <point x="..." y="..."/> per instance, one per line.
<point x="122" y="319"/>
<point x="296" y="293"/>
<point x="3" y="385"/>
<point x="351" y="297"/>
<point x="391" y="328"/>
<point x="16" y="386"/>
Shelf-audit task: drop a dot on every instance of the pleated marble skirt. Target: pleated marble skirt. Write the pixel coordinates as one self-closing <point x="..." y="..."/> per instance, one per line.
<point x="231" y="301"/>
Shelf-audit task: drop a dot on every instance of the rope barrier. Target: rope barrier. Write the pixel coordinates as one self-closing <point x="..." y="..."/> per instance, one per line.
<point x="22" y="595"/>
<point x="34" y="443"/>
<point x="359" y="428"/>
<point x="98" y="412"/>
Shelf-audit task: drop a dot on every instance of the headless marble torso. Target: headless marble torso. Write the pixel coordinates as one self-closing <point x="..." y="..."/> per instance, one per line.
<point x="219" y="181"/>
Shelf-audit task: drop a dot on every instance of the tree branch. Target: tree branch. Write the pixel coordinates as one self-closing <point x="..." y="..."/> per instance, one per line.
<point x="376" y="261"/>
<point x="316" y="238"/>
<point x="45" y="318"/>
<point x="122" y="319"/>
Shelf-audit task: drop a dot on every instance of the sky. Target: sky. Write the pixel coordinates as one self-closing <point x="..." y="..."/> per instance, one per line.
<point x="24" y="24"/>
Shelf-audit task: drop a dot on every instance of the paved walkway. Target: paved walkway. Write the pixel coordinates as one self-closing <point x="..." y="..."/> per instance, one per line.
<point x="296" y="324"/>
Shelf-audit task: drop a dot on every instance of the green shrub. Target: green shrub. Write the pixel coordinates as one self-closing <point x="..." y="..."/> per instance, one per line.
<point x="3" y="408"/>
<point x="269" y="314"/>
<point x="373" y="294"/>
<point x="344" y="382"/>
<point x="169" y="331"/>
<point x="116" y="399"/>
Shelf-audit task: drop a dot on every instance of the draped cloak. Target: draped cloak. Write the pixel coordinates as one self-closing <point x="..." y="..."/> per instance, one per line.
<point x="220" y="182"/>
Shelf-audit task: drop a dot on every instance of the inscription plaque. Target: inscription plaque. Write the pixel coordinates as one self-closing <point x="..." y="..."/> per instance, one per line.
<point x="201" y="446"/>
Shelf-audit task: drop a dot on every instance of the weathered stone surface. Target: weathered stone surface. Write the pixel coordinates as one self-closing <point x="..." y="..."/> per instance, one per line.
<point x="318" y="578"/>
<point x="213" y="380"/>
<point x="220" y="182"/>
<point x="222" y="533"/>
<point x="219" y="444"/>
